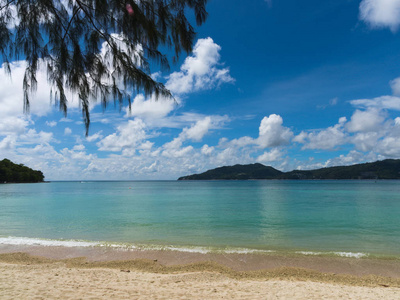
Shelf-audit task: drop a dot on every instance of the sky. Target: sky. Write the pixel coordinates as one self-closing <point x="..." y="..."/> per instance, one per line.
<point x="286" y="83"/>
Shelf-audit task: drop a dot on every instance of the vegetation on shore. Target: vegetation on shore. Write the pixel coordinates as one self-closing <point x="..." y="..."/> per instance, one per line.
<point x="14" y="173"/>
<point x="385" y="169"/>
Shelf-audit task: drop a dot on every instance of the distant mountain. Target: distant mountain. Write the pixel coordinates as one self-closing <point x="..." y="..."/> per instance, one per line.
<point x="13" y="173"/>
<point x="385" y="169"/>
<point x="253" y="171"/>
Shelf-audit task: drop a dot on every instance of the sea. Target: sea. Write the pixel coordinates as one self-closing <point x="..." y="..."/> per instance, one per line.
<point x="351" y="218"/>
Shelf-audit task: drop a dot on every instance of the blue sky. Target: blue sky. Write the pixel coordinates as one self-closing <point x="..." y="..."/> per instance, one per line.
<point x="291" y="84"/>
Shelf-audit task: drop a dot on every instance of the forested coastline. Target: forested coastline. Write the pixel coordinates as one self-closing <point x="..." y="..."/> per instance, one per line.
<point x="385" y="169"/>
<point x="18" y="173"/>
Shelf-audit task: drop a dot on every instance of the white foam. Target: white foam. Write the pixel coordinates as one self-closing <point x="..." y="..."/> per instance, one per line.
<point x="309" y="253"/>
<point x="25" y="241"/>
<point x="19" y="241"/>
<point x="342" y="254"/>
<point x="247" y="251"/>
<point x="191" y="250"/>
<point x="204" y="250"/>
<point x="351" y="254"/>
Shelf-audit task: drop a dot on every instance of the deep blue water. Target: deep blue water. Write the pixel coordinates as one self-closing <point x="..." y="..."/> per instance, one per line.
<point x="318" y="216"/>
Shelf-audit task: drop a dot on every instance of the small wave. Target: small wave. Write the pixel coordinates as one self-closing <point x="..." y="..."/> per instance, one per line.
<point x="25" y="241"/>
<point x="351" y="254"/>
<point x="17" y="241"/>
<point x="205" y="250"/>
<point x="341" y="254"/>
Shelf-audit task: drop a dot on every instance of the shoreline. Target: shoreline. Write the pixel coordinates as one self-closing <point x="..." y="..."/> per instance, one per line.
<point x="245" y="264"/>
<point x="104" y="273"/>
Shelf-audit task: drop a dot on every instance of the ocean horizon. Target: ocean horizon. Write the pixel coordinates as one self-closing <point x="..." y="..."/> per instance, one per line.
<point x="350" y="218"/>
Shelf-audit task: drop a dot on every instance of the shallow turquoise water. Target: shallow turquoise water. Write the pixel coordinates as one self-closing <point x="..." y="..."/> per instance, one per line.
<point x="326" y="216"/>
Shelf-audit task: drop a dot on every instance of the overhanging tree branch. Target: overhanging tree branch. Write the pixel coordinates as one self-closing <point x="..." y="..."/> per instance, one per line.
<point x="70" y="39"/>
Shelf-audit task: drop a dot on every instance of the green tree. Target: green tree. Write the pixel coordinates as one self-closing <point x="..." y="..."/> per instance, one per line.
<point x="67" y="36"/>
<point x="10" y="172"/>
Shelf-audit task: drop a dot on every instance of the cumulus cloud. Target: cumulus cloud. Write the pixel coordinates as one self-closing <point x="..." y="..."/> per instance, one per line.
<point x="202" y="71"/>
<point x="198" y="130"/>
<point x="351" y="158"/>
<point x="328" y="138"/>
<point x="272" y="133"/>
<point x="150" y="109"/>
<point x="381" y="13"/>
<point x="389" y="147"/>
<point x="67" y="131"/>
<point x="13" y="125"/>
<point x="365" y="141"/>
<point x="128" y="135"/>
<point x="195" y="133"/>
<point x="94" y="137"/>
<point x="365" y="121"/>
<point x="8" y="143"/>
<point x="207" y="150"/>
<point x="270" y="156"/>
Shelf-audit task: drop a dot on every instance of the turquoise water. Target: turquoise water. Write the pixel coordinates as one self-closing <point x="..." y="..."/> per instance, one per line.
<point x="353" y="217"/>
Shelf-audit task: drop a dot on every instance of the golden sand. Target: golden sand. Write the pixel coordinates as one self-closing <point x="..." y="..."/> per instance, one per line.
<point x="23" y="276"/>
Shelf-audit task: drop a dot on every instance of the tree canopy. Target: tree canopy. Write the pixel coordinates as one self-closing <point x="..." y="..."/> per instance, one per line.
<point x="10" y="172"/>
<point x="97" y="49"/>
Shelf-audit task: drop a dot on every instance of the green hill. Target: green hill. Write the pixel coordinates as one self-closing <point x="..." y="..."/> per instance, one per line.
<point x="385" y="169"/>
<point x="253" y="171"/>
<point x="10" y="172"/>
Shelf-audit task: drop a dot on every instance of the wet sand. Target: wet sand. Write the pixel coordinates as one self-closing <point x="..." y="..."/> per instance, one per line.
<point x="38" y="272"/>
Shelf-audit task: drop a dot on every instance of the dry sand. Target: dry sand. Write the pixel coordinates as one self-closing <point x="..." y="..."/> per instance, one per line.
<point x="59" y="273"/>
<point x="58" y="281"/>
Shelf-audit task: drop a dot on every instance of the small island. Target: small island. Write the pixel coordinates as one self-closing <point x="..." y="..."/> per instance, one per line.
<point x="385" y="169"/>
<point x="14" y="173"/>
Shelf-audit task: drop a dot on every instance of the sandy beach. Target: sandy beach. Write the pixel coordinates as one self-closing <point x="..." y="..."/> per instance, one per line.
<point x="91" y="273"/>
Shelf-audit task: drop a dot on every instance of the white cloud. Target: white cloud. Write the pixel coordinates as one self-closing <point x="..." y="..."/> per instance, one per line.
<point x="383" y="102"/>
<point x="207" y="150"/>
<point x="365" y="121"/>
<point x="195" y="133"/>
<point x="13" y="125"/>
<point x="128" y="135"/>
<point x="272" y="133"/>
<point x="67" y="131"/>
<point x="79" y="147"/>
<point x="271" y="156"/>
<point x="198" y="130"/>
<point x="240" y="142"/>
<point x="381" y="13"/>
<point x="150" y="109"/>
<point x="94" y="137"/>
<point x="200" y="71"/>
<point x="351" y="158"/>
<point x="11" y="92"/>
<point x="395" y="86"/>
<point x="8" y="143"/>
<point x="76" y="155"/>
<point x="51" y="124"/>
<point x="365" y="141"/>
<point x="326" y="139"/>
<point x="389" y="147"/>
<point x="34" y="137"/>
